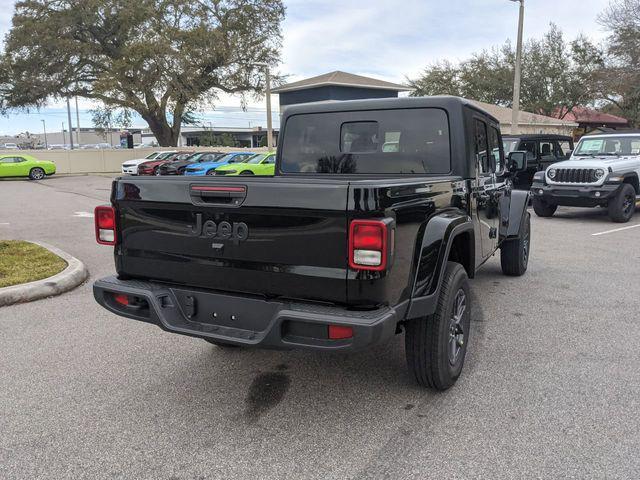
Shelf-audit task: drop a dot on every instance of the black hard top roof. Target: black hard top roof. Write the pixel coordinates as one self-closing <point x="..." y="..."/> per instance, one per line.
<point x="537" y="136"/>
<point x="443" y="101"/>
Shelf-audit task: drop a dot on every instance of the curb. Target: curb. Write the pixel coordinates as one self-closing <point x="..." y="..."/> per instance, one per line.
<point x="66" y="280"/>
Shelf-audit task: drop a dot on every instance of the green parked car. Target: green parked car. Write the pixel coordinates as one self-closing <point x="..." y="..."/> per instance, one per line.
<point x="259" y="164"/>
<point x="14" y="165"/>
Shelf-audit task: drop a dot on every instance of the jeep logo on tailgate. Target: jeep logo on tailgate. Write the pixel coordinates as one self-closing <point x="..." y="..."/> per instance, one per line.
<point x="236" y="231"/>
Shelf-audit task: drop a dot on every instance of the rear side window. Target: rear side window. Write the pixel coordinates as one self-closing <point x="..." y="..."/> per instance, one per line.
<point x="494" y="148"/>
<point x="400" y="141"/>
<point x="481" y="147"/>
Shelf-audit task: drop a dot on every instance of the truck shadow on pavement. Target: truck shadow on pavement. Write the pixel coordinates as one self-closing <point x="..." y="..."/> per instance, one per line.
<point x="313" y="383"/>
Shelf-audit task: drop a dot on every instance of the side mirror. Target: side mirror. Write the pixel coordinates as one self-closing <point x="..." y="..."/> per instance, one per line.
<point x="517" y="162"/>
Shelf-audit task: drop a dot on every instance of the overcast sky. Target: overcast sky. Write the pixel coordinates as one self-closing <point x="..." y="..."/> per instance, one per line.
<point x="393" y="39"/>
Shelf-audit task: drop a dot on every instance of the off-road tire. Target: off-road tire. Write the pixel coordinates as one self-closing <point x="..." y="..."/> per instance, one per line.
<point x="221" y="344"/>
<point x="36" y="173"/>
<point x="542" y="208"/>
<point x="514" y="253"/>
<point x="427" y="340"/>
<point x="622" y="207"/>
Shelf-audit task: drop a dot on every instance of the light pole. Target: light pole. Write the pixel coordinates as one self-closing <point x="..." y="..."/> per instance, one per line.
<point x="64" y="139"/>
<point x="516" y="77"/>
<point x="77" y="123"/>
<point x="44" y="127"/>
<point x="268" y="94"/>
<point x="70" y="125"/>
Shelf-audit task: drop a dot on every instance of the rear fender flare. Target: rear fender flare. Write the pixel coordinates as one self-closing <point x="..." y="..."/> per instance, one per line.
<point x="439" y="234"/>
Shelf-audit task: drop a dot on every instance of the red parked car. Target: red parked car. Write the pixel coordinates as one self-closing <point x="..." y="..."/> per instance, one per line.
<point x="152" y="167"/>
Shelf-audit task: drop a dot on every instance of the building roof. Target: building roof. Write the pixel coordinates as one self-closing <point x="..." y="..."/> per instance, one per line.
<point x="343" y="79"/>
<point x="503" y="114"/>
<point x="590" y="116"/>
<point x="445" y="102"/>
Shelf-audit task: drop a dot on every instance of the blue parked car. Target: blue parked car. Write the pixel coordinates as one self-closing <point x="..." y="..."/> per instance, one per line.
<point x="208" y="168"/>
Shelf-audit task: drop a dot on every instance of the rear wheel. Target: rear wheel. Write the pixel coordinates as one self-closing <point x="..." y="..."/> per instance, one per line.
<point x="36" y="173"/>
<point x="211" y="172"/>
<point x="156" y="171"/>
<point x="622" y="207"/>
<point x="437" y="344"/>
<point x="246" y="172"/>
<point x="542" y="208"/>
<point x="514" y="254"/>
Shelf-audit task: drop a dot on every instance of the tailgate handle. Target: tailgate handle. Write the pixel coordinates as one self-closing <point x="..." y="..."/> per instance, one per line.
<point x="223" y="195"/>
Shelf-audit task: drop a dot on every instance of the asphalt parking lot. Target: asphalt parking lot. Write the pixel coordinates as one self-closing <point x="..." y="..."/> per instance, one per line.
<point x="551" y="386"/>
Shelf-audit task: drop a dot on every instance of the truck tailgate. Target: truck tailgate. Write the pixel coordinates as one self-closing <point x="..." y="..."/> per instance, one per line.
<point x="276" y="237"/>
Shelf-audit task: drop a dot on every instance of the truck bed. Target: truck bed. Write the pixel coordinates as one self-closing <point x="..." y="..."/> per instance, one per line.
<point x="276" y="237"/>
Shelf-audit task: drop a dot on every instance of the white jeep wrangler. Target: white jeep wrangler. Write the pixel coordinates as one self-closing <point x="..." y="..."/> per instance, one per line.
<point x="603" y="171"/>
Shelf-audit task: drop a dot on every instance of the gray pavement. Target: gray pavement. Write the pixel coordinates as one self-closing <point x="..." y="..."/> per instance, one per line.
<point x="551" y="386"/>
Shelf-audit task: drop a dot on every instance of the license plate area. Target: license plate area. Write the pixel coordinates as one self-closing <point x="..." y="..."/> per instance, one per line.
<point x="225" y="310"/>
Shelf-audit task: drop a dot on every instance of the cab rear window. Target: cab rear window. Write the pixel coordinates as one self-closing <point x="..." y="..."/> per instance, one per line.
<point x="400" y="141"/>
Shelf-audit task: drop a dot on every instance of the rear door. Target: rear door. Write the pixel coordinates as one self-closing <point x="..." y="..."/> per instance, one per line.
<point x="488" y="191"/>
<point x="277" y="237"/>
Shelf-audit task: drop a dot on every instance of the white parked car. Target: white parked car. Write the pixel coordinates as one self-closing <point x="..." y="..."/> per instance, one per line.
<point x="130" y="167"/>
<point x="603" y="171"/>
<point x="10" y="146"/>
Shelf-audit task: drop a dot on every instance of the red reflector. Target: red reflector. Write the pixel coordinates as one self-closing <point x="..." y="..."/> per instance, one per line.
<point x="121" y="298"/>
<point x="340" y="332"/>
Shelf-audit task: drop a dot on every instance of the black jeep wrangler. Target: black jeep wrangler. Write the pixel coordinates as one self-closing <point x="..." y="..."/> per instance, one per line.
<point x="378" y="213"/>
<point x="542" y="150"/>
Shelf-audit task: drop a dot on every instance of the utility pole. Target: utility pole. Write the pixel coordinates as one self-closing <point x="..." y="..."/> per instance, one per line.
<point x="77" y="123"/>
<point x="64" y="139"/>
<point x="70" y="125"/>
<point x="269" y="120"/>
<point x="268" y="94"/>
<point x="44" y="127"/>
<point x="516" y="79"/>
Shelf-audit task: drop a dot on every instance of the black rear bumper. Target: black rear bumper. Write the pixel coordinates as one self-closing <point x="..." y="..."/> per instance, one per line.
<point x="244" y="320"/>
<point x="574" y="195"/>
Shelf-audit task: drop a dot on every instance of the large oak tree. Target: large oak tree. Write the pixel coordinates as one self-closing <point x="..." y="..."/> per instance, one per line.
<point x="160" y="58"/>
<point x="620" y="81"/>
<point x="556" y="75"/>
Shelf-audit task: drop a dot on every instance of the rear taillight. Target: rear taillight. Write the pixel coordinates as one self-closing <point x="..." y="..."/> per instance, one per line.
<point x="368" y="245"/>
<point x="105" y="220"/>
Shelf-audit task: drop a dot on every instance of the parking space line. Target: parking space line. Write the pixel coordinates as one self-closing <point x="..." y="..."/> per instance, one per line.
<point x="83" y="214"/>
<point x="615" y="230"/>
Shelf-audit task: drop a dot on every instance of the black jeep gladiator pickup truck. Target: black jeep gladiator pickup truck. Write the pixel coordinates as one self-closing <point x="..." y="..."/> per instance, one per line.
<point x="378" y="213"/>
